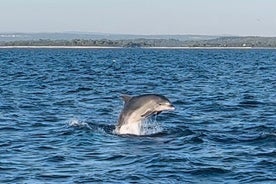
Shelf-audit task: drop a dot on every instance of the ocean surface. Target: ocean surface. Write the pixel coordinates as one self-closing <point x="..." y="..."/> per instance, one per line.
<point x="59" y="107"/>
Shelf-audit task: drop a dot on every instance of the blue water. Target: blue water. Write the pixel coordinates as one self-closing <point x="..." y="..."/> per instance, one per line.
<point x="58" y="108"/>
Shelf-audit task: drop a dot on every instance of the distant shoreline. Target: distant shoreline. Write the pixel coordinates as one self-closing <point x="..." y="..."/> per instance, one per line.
<point x="161" y="42"/>
<point x="57" y="47"/>
<point x="109" y="47"/>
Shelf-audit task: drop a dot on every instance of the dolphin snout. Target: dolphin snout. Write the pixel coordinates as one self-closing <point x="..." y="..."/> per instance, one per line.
<point x="172" y="107"/>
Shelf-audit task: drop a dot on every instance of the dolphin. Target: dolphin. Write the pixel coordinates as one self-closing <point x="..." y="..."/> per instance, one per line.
<point x="138" y="108"/>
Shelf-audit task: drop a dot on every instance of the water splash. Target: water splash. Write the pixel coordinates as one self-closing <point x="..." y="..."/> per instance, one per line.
<point x="150" y="126"/>
<point x="78" y="123"/>
<point x="94" y="127"/>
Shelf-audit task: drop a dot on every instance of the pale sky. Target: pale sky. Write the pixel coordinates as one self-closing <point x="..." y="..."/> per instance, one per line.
<point x="204" y="17"/>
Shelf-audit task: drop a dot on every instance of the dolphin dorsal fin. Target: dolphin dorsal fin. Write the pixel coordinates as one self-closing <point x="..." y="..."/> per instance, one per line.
<point x="126" y="98"/>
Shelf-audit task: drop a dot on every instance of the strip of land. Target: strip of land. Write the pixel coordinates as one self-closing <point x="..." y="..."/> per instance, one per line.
<point x="216" y="42"/>
<point x="101" y="47"/>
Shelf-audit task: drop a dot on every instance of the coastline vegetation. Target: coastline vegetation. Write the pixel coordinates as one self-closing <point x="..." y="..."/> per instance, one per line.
<point x="269" y="42"/>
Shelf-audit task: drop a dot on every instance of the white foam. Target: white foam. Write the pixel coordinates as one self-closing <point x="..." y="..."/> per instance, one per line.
<point x="77" y="123"/>
<point x="150" y="127"/>
<point x="146" y="127"/>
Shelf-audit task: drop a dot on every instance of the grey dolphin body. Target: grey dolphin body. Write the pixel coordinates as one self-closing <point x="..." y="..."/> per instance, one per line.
<point x="137" y="108"/>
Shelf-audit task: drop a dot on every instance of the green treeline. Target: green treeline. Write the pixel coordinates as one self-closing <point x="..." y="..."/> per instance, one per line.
<point x="217" y="42"/>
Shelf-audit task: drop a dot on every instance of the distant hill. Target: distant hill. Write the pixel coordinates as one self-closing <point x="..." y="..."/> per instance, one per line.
<point x="247" y="41"/>
<point x="6" y="37"/>
<point x="122" y="40"/>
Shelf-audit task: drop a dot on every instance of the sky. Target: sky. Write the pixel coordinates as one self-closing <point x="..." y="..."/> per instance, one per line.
<point x="203" y="17"/>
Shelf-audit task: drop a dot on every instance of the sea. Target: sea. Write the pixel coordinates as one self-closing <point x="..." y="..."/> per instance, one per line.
<point x="59" y="108"/>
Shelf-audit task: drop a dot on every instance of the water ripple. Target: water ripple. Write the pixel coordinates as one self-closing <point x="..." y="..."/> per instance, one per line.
<point x="59" y="107"/>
